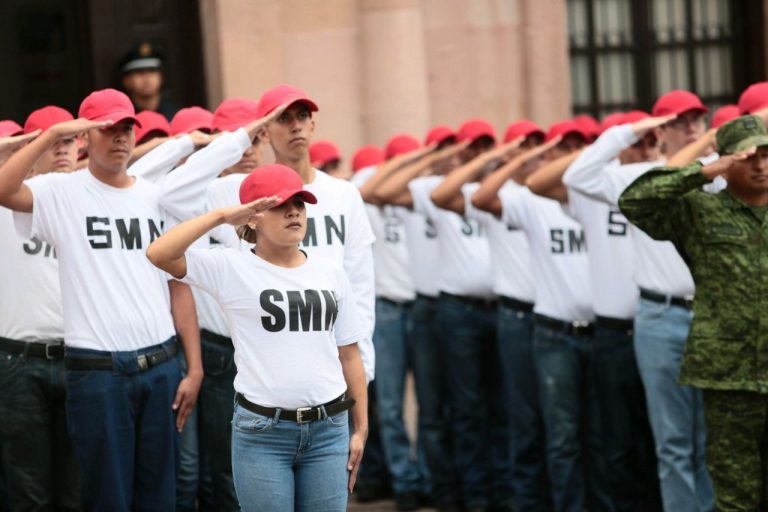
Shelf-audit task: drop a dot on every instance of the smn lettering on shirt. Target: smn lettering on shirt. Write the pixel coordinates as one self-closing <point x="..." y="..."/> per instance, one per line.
<point x="102" y="231"/>
<point x="567" y="241"/>
<point x="300" y="311"/>
<point x="333" y="229"/>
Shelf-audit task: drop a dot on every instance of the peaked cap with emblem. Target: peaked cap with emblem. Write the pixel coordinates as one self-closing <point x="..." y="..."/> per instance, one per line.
<point x="142" y="56"/>
<point x="740" y="134"/>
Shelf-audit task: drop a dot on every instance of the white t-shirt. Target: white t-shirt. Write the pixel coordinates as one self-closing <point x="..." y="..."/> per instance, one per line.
<point x="658" y="265"/>
<point x="510" y="254"/>
<point x="423" y="251"/>
<point x="337" y="226"/>
<point x="114" y="298"/>
<point x="558" y="254"/>
<point x="465" y="261"/>
<point x="390" y="252"/>
<point x="158" y="162"/>
<point x="30" y="295"/>
<point x="286" y="323"/>
<point x="611" y="254"/>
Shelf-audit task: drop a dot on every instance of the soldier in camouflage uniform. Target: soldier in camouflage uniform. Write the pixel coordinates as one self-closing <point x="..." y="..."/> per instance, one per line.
<point x="723" y="238"/>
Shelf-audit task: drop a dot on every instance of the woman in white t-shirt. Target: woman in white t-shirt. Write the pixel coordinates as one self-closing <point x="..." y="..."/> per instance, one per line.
<point x="295" y="335"/>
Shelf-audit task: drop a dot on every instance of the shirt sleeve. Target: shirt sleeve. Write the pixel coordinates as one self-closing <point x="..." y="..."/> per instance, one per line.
<point x="183" y="192"/>
<point x="157" y="163"/>
<point x="513" y="206"/>
<point x="470" y="211"/>
<point x="48" y="201"/>
<point x="358" y="264"/>
<point x="421" y="191"/>
<point x="348" y="328"/>
<point x="658" y="201"/>
<point x="205" y="270"/>
<point x="222" y="193"/>
<point x="587" y="173"/>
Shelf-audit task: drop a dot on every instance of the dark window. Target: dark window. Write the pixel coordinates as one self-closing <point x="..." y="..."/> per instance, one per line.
<point x="625" y="53"/>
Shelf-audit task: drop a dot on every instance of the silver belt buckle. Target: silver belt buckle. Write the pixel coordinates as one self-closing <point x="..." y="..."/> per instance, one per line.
<point x="143" y="362"/>
<point x="48" y="349"/>
<point x="299" y="412"/>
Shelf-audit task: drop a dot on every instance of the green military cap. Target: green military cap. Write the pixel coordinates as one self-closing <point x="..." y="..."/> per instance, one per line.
<point x="740" y="134"/>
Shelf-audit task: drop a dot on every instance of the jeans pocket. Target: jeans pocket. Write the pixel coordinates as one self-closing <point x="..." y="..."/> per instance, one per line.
<point x="339" y="420"/>
<point x="249" y="422"/>
<point x="9" y="361"/>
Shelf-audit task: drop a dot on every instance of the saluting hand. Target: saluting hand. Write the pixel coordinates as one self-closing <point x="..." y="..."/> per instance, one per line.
<point x="724" y="164"/>
<point x="76" y="127"/>
<point x="10" y="144"/>
<point x="247" y="213"/>
<point x="643" y="126"/>
<point x="255" y="128"/>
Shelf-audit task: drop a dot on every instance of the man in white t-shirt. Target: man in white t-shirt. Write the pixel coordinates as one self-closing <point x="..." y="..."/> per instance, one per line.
<point x="663" y="313"/>
<point x="37" y="452"/>
<point x="125" y="401"/>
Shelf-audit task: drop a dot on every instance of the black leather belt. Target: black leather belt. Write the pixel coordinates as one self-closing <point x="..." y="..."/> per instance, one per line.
<point x="427" y="298"/>
<point x="618" y="324"/>
<point x="575" y="328"/>
<point x="684" y="302"/>
<point x="217" y="339"/>
<point x="479" y="302"/>
<point x="396" y="303"/>
<point x="42" y="350"/>
<point x="517" y="305"/>
<point x="302" y="414"/>
<point x="145" y="361"/>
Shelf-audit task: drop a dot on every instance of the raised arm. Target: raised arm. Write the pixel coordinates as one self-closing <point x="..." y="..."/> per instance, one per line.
<point x="394" y="189"/>
<point x="487" y="196"/>
<point x="448" y="194"/>
<point x="9" y="145"/>
<point x="586" y="174"/>
<point x="655" y="201"/>
<point x="547" y="181"/>
<point x="14" y="194"/>
<point x="694" y="150"/>
<point x="167" y="252"/>
<point x="385" y="169"/>
<point x="160" y="160"/>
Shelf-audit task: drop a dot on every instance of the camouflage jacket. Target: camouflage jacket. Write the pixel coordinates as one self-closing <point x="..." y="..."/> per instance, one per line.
<point x="725" y="245"/>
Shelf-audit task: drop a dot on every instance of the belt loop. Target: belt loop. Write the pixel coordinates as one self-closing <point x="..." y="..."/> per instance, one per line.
<point x="277" y="415"/>
<point x="668" y="299"/>
<point x="323" y="413"/>
<point x="25" y="352"/>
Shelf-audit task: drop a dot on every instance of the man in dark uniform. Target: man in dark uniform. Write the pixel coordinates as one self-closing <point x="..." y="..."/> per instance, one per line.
<point x="723" y="239"/>
<point x="141" y="70"/>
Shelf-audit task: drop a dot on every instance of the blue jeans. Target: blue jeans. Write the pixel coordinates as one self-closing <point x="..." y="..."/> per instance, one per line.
<point x="215" y="410"/>
<point x="193" y="484"/>
<point x="432" y="396"/>
<point x="391" y="339"/>
<point x="282" y="466"/>
<point x="478" y="420"/>
<point x="37" y="454"/>
<point x="124" y="432"/>
<point x="627" y="453"/>
<point x="528" y="444"/>
<point x="676" y="412"/>
<point x="570" y="418"/>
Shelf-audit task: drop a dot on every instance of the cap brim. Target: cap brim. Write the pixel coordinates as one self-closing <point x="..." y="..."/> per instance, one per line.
<point x="306" y="195"/>
<point x="700" y="108"/>
<point x="117" y="117"/>
<point x="302" y="99"/>
<point x="755" y="141"/>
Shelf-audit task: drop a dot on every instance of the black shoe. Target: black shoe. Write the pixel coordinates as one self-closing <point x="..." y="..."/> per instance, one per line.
<point x="366" y="492"/>
<point x="410" y="500"/>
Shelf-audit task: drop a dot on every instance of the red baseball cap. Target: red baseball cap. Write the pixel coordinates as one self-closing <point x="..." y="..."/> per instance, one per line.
<point x="367" y="156"/>
<point x="634" y="116"/>
<point x="276" y="96"/>
<point x="10" y="128"/>
<point x="438" y="134"/>
<point x="399" y="144"/>
<point x="43" y="118"/>
<point x="589" y="126"/>
<point x="522" y="128"/>
<point x="611" y="120"/>
<point x="564" y="128"/>
<point x="234" y="113"/>
<point x="473" y="129"/>
<point x="322" y="152"/>
<point x="677" y="102"/>
<point x="754" y="98"/>
<point x="108" y="105"/>
<point x="151" y="122"/>
<point x="274" y="180"/>
<point x="190" y="119"/>
<point x="724" y="114"/>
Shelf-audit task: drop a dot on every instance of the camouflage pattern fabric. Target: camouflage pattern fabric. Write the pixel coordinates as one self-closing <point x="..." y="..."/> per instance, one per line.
<point x="725" y="244"/>
<point x="736" y="423"/>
